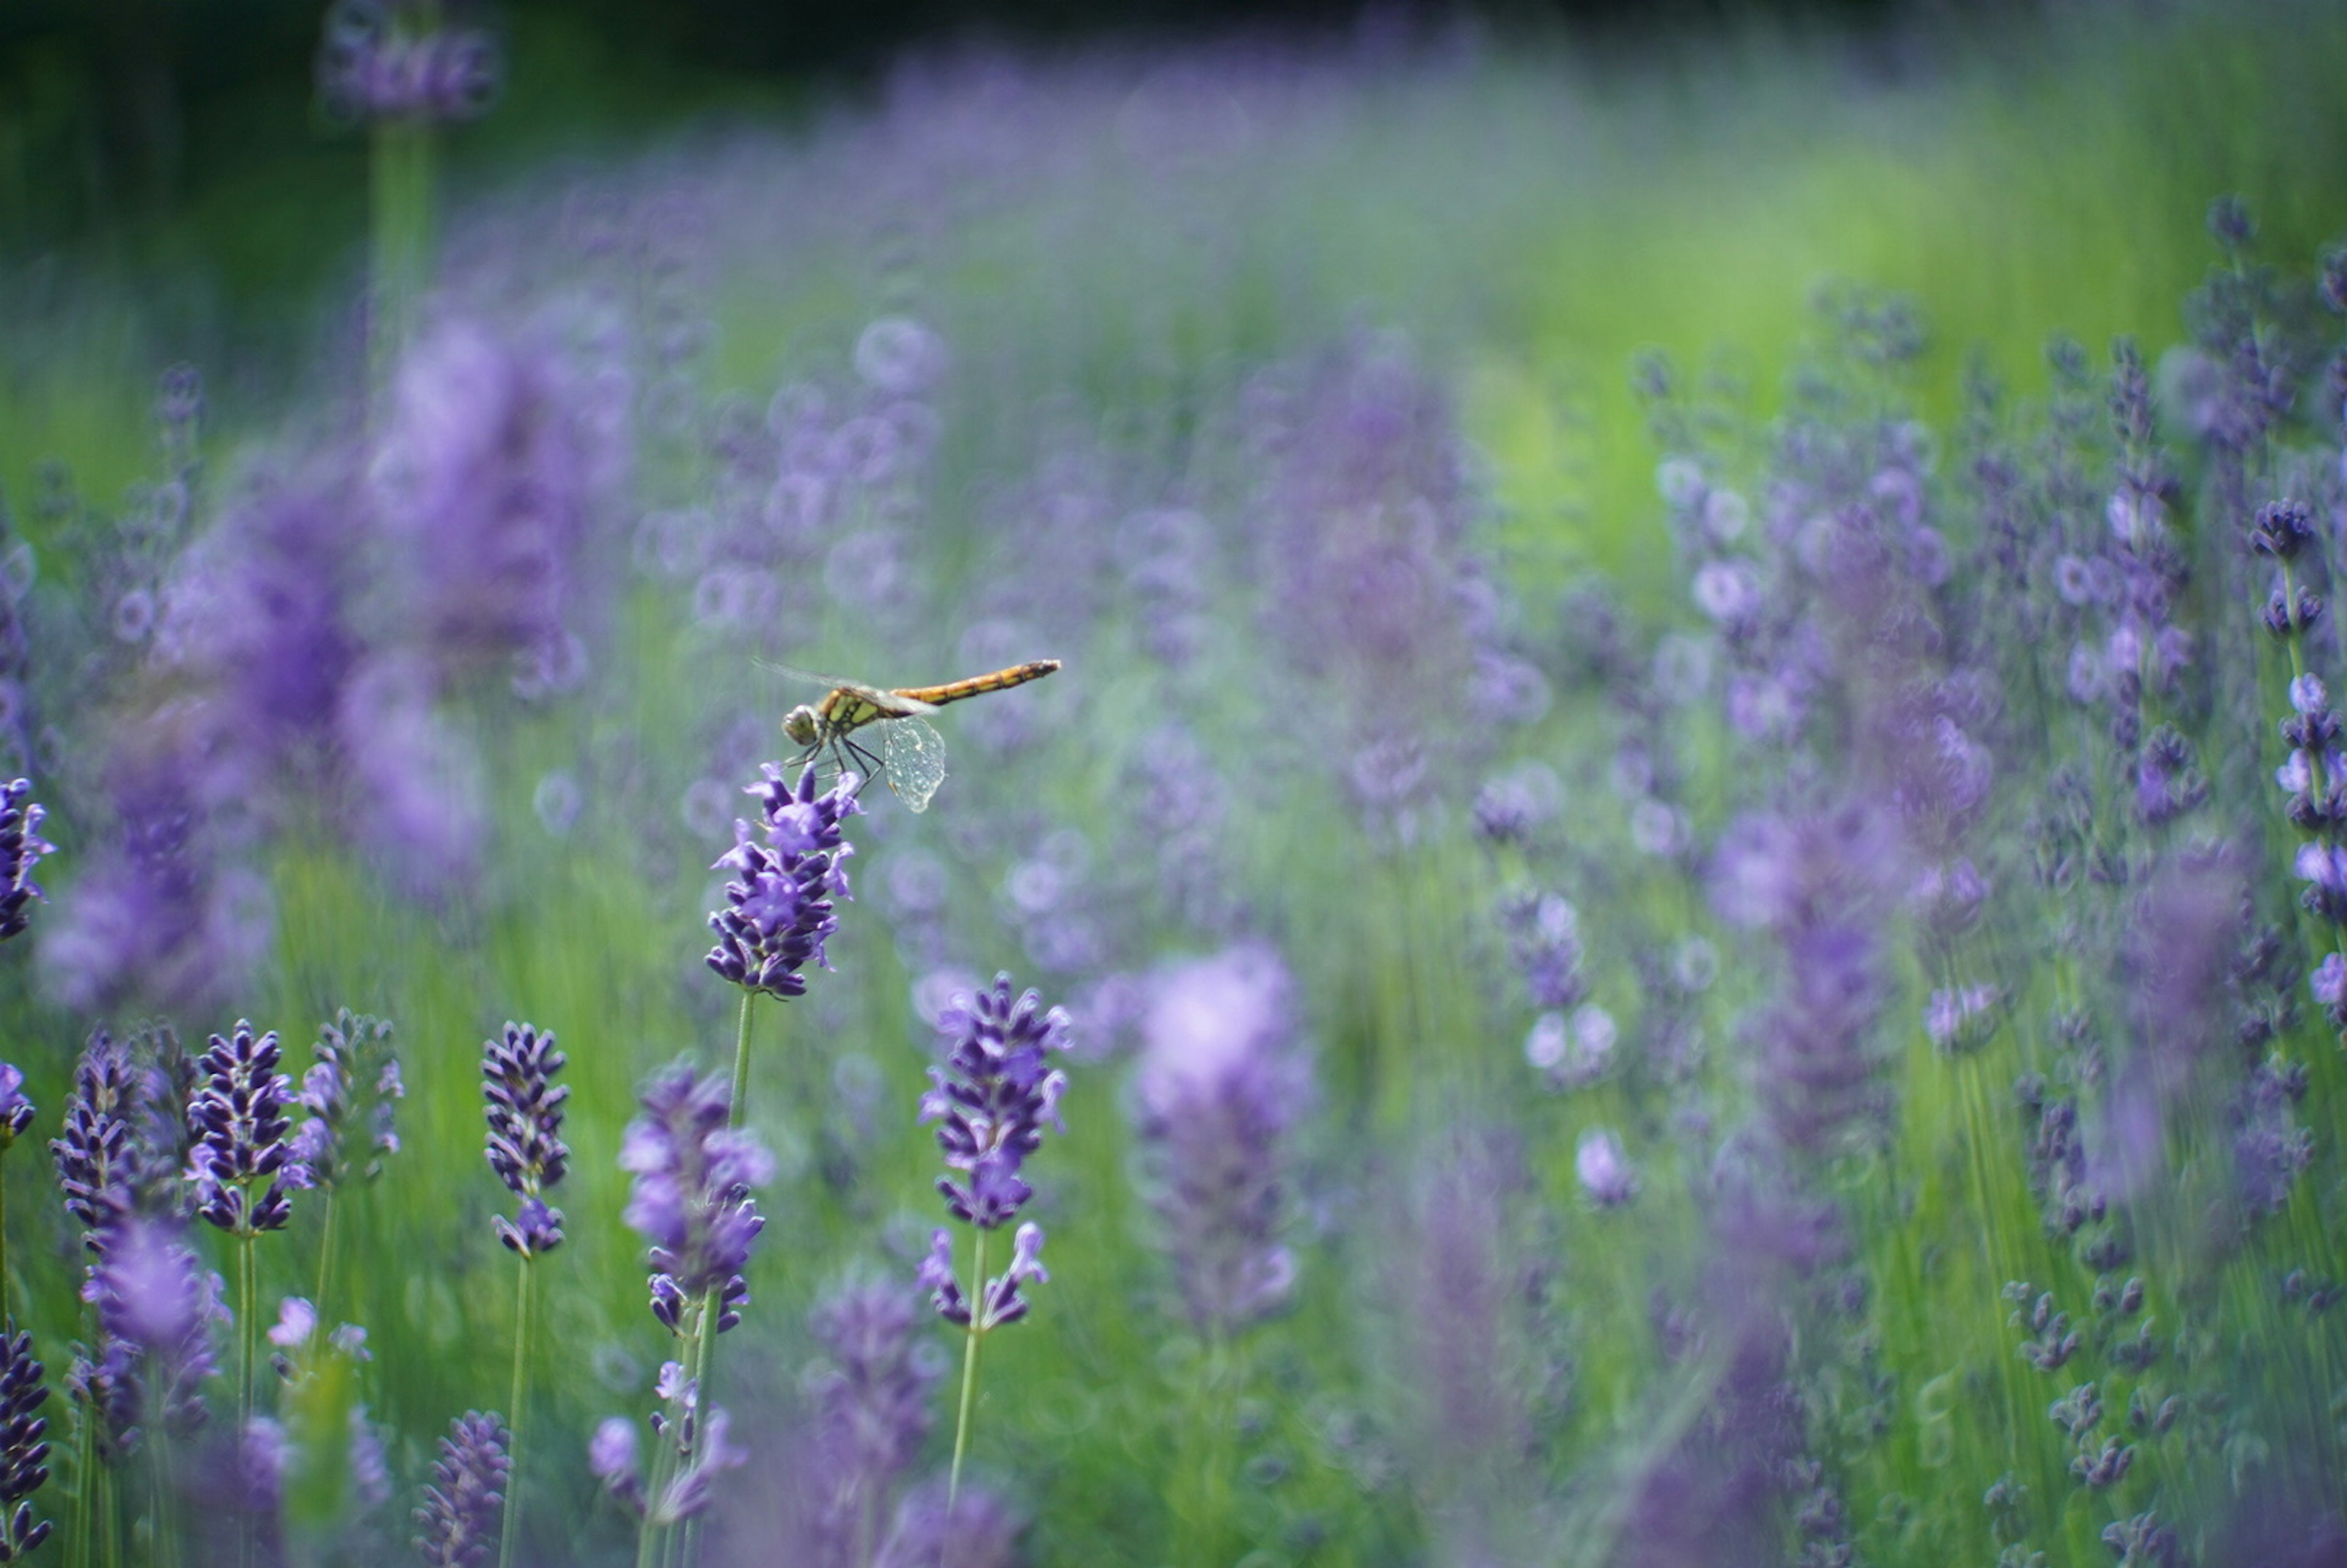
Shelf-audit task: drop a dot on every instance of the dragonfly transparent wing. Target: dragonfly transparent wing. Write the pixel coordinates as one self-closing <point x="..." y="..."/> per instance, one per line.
<point x="916" y="757"/>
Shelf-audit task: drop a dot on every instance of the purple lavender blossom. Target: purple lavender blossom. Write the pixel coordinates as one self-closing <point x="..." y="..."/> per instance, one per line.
<point x="525" y="1142"/>
<point x="350" y="1092"/>
<point x="991" y="1098"/>
<point x="156" y="1308"/>
<point x="779" y="911"/>
<point x="1218" y="1087"/>
<point x="1603" y="1171"/>
<point x="1002" y="1300"/>
<point x="691" y="1196"/>
<point x="612" y="1458"/>
<point x="873" y="1407"/>
<point x="374" y="64"/>
<point x="97" y="1156"/>
<point x="21" y="847"/>
<point x="462" y="1507"/>
<point x="239" y="1117"/>
<point x="1816" y="883"/>
<point x="16" y="1111"/>
<point x="494" y="461"/>
<point x="978" y="1531"/>
<point x="24" y="1453"/>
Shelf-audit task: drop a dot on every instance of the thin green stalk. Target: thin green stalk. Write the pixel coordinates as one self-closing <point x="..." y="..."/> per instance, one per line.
<point x="734" y="1112"/>
<point x="325" y="1255"/>
<point x="85" y="1485"/>
<point x="248" y="1338"/>
<point x="105" y="1526"/>
<point x="510" y="1529"/>
<point x="969" y="1374"/>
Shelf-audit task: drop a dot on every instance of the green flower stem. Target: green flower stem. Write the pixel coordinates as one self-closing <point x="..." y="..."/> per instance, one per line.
<point x="509" y="1529"/>
<point x="734" y="1107"/>
<point x="325" y="1255"/>
<point x="248" y="1344"/>
<point x="402" y="169"/>
<point x="969" y="1373"/>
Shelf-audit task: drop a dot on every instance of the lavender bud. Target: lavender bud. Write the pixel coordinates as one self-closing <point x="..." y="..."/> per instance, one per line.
<point x="21" y="845"/>
<point x="2283" y="528"/>
<point x="240" y="1123"/>
<point x="24" y="1453"/>
<point x="1219" y="1086"/>
<point x="991" y="1098"/>
<point x="462" y="1506"/>
<point x="690" y="1198"/>
<point x="1603" y="1171"/>
<point x="872" y="1400"/>
<point x="611" y="1459"/>
<point x="525" y="1140"/>
<point x="350" y="1093"/>
<point x="780" y="910"/>
<point x="96" y="1157"/>
<point x="979" y="1531"/>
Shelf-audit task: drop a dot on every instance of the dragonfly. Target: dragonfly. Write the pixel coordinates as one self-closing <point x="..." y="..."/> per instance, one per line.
<point x="912" y="754"/>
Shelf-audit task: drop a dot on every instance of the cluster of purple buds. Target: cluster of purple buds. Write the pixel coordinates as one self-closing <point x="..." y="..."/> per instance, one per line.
<point x="1001" y="1300"/>
<point x="525" y="1142"/>
<point x="702" y="1448"/>
<point x="691" y="1195"/>
<point x="17" y="1112"/>
<point x="23" y="1452"/>
<point x="21" y="846"/>
<point x="1544" y="938"/>
<point x="779" y="911"/>
<point x="239" y="1117"/>
<point x="156" y="1307"/>
<point x="461" y="1510"/>
<point x="991" y="1097"/>
<point x="350" y="1093"/>
<point x="1218" y="1087"/>
<point x="372" y="67"/>
<point x="874" y="1400"/>
<point x="97" y="1154"/>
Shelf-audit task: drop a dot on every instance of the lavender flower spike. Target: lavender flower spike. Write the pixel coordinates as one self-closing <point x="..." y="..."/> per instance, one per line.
<point x="24" y="1454"/>
<point x="525" y="1145"/>
<point x="156" y="1307"/>
<point x="1219" y="1086"/>
<point x="874" y="1401"/>
<point x="691" y="1193"/>
<point x="21" y="845"/>
<point x="350" y="1093"/>
<point x="240" y="1123"/>
<point x="779" y="911"/>
<point x="16" y="1112"/>
<point x="1003" y="1301"/>
<point x="95" y="1154"/>
<point x="991" y="1098"/>
<point x="461" y="1507"/>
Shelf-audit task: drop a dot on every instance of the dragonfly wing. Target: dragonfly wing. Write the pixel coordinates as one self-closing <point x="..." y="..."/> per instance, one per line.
<point x="916" y="757"/>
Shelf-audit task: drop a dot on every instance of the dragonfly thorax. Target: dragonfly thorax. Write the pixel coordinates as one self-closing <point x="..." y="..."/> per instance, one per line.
<point x="802" y="726"/>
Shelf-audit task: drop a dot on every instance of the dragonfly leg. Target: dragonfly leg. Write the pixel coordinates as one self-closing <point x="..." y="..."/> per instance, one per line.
<point x="873" y="767"/>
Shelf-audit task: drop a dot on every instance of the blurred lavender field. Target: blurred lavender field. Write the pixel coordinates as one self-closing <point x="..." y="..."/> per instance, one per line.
<point x="1685" y="881"/>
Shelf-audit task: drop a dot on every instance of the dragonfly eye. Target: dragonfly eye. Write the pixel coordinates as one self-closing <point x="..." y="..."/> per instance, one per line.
<point x="799" y="724"/>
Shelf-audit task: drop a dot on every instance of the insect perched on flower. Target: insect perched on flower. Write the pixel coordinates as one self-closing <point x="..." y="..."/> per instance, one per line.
<point x="912" y="754"/>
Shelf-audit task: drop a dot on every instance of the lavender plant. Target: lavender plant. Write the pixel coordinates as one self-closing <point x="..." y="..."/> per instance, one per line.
<point x="527" y="1152"/>
<point x="989" y="1098"/>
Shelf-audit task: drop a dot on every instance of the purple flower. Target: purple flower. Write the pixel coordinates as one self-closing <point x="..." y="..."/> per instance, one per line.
<point x="692" y="1197"/>
<point x="23" y="1452"/>
<point x="372" y="64"/>
<point x="1000" y="1301"/>
<point x="97" y="1154"/>
<point x="779" y="910"/>
<point x="978" y="1532"/>
<point x="21" y="847"/>
<point x="156" y="1308"/>
<point x="525" y="1142"/>
<point x="1219" y="1086"/>
<point x="611" y="1459"/>
<point x="991" y="1096"/>
<point x="16" y="1112"/>
<point x="350" y="1093"/>
<point x="873" y="1405"/>
<point x="241" y="1126"/>
<point x="1603" y="1171"/>
<point x="462" y="1507"/>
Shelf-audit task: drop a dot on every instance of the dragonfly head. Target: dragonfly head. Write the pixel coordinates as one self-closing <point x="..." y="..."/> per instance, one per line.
<point x="802" y="726"/>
